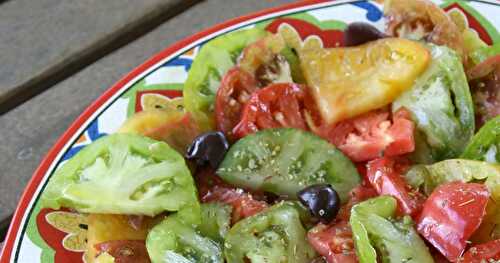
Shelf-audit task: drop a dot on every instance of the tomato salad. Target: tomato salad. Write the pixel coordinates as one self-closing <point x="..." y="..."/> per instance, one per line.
<point x="383" y="149"/>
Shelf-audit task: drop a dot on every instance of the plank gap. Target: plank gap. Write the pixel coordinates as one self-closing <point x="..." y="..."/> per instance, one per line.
<point x="82" y="58"/>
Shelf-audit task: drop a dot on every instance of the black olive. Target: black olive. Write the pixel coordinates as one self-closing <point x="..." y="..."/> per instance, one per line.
<point x="208" y="149"/>
<point x="358" y="33"/>
<point x="322" y="201"/>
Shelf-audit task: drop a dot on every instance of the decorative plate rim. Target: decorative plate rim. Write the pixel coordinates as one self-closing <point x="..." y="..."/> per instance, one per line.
<point x="46" y="167"/>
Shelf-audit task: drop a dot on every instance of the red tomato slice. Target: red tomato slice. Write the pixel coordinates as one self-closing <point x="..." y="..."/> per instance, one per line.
<point x="244" y="205"/>
<point x="212" y="189"/>
<point x="125" y="251"/>
<point x="437" y="256"/>
<point x="487" y="252"/>
<point x="334" y="241"/>
<point x="384" y="175"/>
<point x="484" y="68"/>
<point x="359" y="194"/>
<point x="402" y="133"/>
<point x="235" y="90"/>
<point x="450" y="216"/>
<point x="277" y="105"/>
<point x="486" y="90"/>
<point x="372" y="135"/>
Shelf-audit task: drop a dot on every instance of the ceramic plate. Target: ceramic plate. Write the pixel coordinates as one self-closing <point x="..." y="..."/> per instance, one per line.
<point x="45" y="235"/>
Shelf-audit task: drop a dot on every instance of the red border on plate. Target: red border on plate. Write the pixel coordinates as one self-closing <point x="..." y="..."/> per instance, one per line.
<point x="39" y="173"/>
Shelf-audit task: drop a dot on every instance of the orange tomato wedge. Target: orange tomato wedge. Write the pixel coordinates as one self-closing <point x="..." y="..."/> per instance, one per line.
<point x="176" y="128"/>
<point x="349" y="81"/>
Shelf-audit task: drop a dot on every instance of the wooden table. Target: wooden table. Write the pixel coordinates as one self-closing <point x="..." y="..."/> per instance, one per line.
<point x="58" y="56"/>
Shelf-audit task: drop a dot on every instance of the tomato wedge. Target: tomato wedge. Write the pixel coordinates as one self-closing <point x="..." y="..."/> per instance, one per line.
<point x="334" y="241"/>
<point x="275" y="106"/>
<point x="450" y="216"/>
<point x="485" y="84"/>
<point x="346" y="82"/>
<point x="421" y="19"/>
<point x="487" y="252"/>
<point x="212" y="189"/>
<point x="244" y="204"/>
<point x="177" y="128"/>
<point x="372" y="135"/>
<point x="125" y="251"/>
<point x="260" y="63"/>
<point x="235" y="90"/>
<point x="484" y="68"/>
<point x="384" y="175"/>
<point x="263" y="60"/>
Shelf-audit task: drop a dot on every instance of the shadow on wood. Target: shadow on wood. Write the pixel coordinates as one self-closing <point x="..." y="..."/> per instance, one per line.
<point x="4" y="227"/>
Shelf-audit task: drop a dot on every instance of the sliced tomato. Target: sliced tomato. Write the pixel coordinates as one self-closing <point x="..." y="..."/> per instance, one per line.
<point x="450" y="216"/>
<point x="486" y="89"/>
<point x="334" y="241"/>
<point x="359" y="194"/>
<point x="487" y="252"/>
<point x="437" y="256"/>
<point x="372" y="135"/>
<point x="212" y="189"/>
<point x="259" y="64"/>
<point x="235" y="90"/>
<point x="349" y="81"/>
<point x="419" y="19"/>
<point x="125" y="251"/>
<point x="384" y="175"/>
<point x="260" y="52"/>
<point x="484" y="68"/>
<point x="243" y="203"/>
<point x="175" y="127"/>
<point x="277" y="105"/>
<point x="262" y="59"/>
<point x="402" y="133"/>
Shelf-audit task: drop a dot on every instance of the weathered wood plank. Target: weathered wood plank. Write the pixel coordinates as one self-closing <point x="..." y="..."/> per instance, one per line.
<point x="28" y="131"/>
<point x="45" y="41"/>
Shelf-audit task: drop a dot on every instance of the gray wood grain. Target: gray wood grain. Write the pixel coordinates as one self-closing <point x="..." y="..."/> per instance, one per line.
<point x="28" y="131"/>
<point x="45" y="41"/>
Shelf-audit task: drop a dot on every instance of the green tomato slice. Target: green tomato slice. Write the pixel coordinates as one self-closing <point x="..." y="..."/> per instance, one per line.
<point x="428" y="177"/>
<point x="284" y="161"/>
<point x="485" y="145"/>
<point x="173" y="241"/>
<point x="214" y="59"/>
<point x="378" y="235"/>
<point x="441" y="105"/>
<point x="216" y="221"/>
<point x="274" y="235"/>
<point x="481" y="54"/>
<point x="125" y="174"/>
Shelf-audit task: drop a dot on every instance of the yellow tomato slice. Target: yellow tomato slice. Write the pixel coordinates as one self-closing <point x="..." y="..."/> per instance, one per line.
<point x="146" y="122"/>
<point x="106" y="227"/>
<point x="349" y="81"/>
<point x="176" y="128"/>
